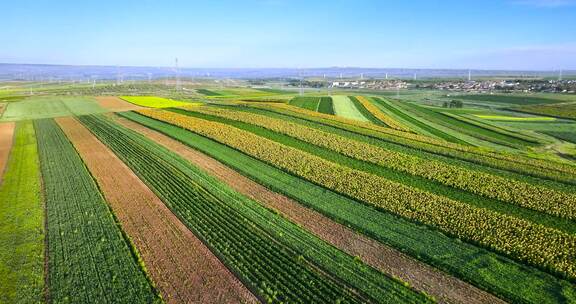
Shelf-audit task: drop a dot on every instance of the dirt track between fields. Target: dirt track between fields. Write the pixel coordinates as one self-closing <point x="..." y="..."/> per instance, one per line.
<point x="443" y="287"/>
<point x="182" y="267"/>
<point x="6" y="140"/>
<point x="116" y="104"/>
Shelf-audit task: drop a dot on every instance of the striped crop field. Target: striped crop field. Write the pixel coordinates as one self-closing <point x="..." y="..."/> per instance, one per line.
<point x="307" y="199"/>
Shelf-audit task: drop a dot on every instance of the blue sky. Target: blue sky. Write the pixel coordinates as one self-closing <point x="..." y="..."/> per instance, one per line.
<point x="489" y="34"/>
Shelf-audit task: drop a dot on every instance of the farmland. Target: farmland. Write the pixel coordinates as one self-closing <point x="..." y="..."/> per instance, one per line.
<point x="231" y="194"/>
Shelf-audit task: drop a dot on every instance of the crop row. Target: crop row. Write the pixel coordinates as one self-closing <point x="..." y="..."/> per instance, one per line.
<point x="389" y="121"/>
<point x="515" y="163"/>
<point x="499" y="275"/>
<point x="89" y="260"/>
<point x="278" y="260"/>
<point x="518" y="238"/>
<point x="530" y="196"/>
<point x="21" y="222"/>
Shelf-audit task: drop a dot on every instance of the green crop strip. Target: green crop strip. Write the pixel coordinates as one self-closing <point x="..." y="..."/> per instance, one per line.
<point x="418" y="123"/>
<point x="308" y="103"/>
<point x="520" y="138"/>
<point x="325" y="106"/>
<point x="88" y="257"/>
<point x="22" y="222"/>
<point x="513" y="163"/>
<point x="469" y="129"/>
<point x="277" y="259"/>
<point x="340" y="150"/>
<point x="487" y="270"/>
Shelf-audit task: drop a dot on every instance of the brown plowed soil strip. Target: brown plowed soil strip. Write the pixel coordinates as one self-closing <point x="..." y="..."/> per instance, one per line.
<point x="184" y="270"/>
<point x="6" y="140"/>
<point x="443" y="287"/>
<point x="116" y="104"/>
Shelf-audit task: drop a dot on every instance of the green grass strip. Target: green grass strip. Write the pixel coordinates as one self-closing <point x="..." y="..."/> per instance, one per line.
<point x="22" y="222"/>
<point x="344" y="107"/>
<point x="89" y="259"/>
<point x="499" y="275"/>
<point x="270" y="253"/>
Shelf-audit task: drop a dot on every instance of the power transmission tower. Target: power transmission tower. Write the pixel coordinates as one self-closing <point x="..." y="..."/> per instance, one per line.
<point x="469" y="75"/>
<point x="560" y="76"/>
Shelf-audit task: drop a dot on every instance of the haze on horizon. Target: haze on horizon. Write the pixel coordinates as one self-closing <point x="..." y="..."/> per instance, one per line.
<point x="492" y="34"/>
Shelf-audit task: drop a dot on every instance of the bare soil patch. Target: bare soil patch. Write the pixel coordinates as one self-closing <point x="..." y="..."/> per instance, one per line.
<point x="116" y="104"/>
<point x="182" y="267"/>
<point x="444" y="287"/>
<point x="6" y="141"/>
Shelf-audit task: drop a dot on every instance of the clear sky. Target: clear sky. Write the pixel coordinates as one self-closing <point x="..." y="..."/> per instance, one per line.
<point x="487" y="34"/>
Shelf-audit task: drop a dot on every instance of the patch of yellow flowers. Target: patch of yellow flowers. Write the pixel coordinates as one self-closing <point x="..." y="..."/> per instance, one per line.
<point x="518" y="238"/>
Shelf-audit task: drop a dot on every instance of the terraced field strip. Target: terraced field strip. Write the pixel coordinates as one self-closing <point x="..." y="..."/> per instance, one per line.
<point x="469" y="129"/>
<point x="514" y="163"/>
<point x="22" y="222"/>
<point x="379" y="115"/>
<point x="530" y="140"/>
<point x="511" y="280"/>
<point x="279" y="260"/>
<point x="89" y="259"/>
<point x="509" y="99"/>
<point x="515" y="118"/>
<point x="530" y="196"/>
<point x="549" y="249"/>
<point x="379" y="256"/>
<point x="518" y="137"/>
<point x="344" y="107"/>
<point x="183" y="268"/>
<point x="306" y="102"/>
<point x="422" y="126"/>
<point x="6" y="141"/>
<point x="566" y="136"/>
<point x="561" y="110"/>
<point x="326" y="105"/>
<point x="114" y="103"/>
